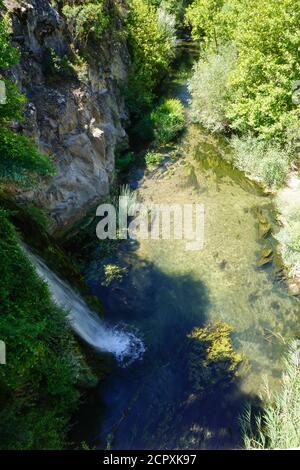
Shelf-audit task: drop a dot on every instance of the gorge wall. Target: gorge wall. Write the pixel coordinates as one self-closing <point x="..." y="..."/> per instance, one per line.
<point x="75" y="110"/>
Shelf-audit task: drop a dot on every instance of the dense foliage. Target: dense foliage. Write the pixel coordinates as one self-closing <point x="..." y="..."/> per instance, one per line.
<point x="168" y="120"/>
<point x="37" y="385"/>
<point x="151" y="44"/>
<point x="257" y="93"/>
<point x="88" y="19"/>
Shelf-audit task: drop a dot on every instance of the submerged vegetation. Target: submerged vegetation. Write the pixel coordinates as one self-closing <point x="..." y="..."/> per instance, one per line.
<point x="113" y="273"/>
<point x="213" y="361"/>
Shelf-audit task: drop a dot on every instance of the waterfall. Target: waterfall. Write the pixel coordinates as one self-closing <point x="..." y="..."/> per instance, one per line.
<point x="124" y="345"/>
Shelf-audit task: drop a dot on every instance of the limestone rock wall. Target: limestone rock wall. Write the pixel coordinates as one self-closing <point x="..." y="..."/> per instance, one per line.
<point x="78" y="119"/>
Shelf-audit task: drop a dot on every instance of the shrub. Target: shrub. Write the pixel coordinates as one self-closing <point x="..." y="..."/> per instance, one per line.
<point x="209" y="86"/>
<point x="88" y="19"/>
<point x="168" y="120"/>
<point x="213" y="361"/>
<point x="167" y="24"/>
<point x="20" y="159"/>
<point x="177" y="8"/>
<point x="57" y="67"/>
<point x="289" y="233"/>
<point x="9" y="55"/>
<point x="265" y="161"/>
<point x="278" y="426"/>
<point x="125" y="161"/>
<point x="153" y="159"/>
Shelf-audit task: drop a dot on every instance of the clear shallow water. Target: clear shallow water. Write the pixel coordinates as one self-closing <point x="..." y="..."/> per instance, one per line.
<point x="169" y="291"/>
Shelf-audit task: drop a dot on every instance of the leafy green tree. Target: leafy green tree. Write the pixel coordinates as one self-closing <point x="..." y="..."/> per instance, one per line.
<point x="268" y="43"/>
<point x="265" y="35"/>
<point x="151" y="52"/>
<point x="88" y="19"/>
<point x="8" y="56"/>
<point x="203" y="17"/>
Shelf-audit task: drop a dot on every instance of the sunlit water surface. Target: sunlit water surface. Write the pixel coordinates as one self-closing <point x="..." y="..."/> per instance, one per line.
<point x="168" y="291"/>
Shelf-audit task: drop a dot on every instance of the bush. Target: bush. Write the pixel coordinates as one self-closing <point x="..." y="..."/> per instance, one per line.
<point x="289" y="234"/>
<point x="57" y="67"/>
<point x="88" y="19"/>
<point x="168" y="120"/>
<point x="209" y="87"/>
<point x="125" y="161"/>
<point x="153" y="159"/>
<point x="167" y="24"/>
<point x="9" y="55"/>
<point x="278" y="427"/>
<point x="265" y="161"/>
<point x="20" y="159"/>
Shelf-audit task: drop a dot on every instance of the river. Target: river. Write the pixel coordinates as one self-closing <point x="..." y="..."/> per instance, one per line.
<point x="168" y="291"/>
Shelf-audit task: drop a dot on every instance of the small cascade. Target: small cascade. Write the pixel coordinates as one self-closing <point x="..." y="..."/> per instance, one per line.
<point x="123" y="344"/>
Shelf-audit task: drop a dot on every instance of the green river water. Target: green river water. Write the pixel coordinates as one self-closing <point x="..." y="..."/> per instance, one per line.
<point x="168" y="291"/>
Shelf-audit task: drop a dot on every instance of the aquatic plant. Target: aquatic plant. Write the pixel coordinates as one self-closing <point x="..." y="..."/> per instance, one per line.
<point x="212" y="360"/>
<point x="113" y="273"/>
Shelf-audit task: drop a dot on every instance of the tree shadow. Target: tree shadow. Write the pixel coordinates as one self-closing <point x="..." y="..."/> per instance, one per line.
<point x="153" y="404"/>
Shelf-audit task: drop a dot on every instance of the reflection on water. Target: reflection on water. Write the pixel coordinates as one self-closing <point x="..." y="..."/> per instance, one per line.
<point x="168" y="291"/>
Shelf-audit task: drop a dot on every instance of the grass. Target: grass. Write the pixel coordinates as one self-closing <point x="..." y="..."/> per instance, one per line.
<point x="153" y="159"/>
<point x="262" y="160"/>
<point x="289" y="233"/>
<point x="278" y="426"/>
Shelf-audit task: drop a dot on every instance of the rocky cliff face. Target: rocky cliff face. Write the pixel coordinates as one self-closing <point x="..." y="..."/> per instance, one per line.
<point x="75" y="113"/>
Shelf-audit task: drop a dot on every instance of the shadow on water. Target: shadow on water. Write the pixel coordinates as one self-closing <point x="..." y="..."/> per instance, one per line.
<point x="153" y="404"/>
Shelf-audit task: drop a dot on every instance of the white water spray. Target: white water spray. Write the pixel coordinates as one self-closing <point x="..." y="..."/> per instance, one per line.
<point x="124" y="345"/>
